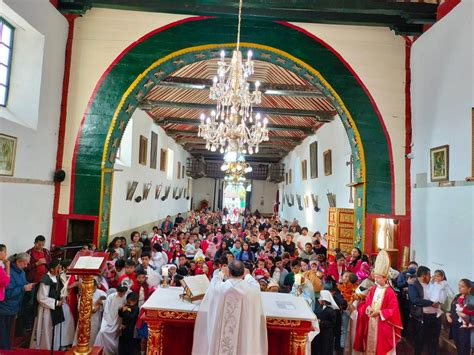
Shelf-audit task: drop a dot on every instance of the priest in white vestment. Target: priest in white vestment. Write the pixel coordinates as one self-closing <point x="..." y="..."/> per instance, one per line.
<point x="230" y="320"/>
<point x="52" y="309"/>
<point x="109" y="332"/>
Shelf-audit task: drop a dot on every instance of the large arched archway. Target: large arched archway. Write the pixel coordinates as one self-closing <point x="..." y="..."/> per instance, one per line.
<point x="161" y="52"/>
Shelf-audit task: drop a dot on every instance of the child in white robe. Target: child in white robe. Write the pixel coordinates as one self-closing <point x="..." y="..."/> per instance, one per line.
<point x="438" y="290"/>
<point x="109" y="332"/>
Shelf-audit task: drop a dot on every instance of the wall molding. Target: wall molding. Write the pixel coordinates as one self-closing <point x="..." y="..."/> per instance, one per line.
<point x="14" y="180"/>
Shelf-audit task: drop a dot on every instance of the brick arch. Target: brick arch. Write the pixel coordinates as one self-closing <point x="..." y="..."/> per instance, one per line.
<point x="161" y="52"/>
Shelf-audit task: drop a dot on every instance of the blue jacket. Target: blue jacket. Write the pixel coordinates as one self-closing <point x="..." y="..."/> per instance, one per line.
<point x="14" y="292"/>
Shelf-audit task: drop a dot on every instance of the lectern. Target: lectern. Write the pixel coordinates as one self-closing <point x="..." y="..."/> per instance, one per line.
<point x="86" y="265"/>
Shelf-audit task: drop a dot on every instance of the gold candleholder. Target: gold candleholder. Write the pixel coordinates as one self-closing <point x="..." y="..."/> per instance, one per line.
<point x="165" y="283"/>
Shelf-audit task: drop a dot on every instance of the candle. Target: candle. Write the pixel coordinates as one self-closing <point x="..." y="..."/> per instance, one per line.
<point x="297" y="279"/>
<point x="164" y="271"/>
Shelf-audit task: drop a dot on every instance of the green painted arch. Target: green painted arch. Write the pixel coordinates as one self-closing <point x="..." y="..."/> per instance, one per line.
<point x="162" y="52"/>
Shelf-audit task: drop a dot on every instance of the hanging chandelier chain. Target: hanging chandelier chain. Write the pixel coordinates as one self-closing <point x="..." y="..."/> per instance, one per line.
<point x="238" y="25"/>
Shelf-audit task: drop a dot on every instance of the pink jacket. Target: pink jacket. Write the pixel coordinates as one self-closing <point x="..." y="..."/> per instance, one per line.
<point x="4" y="281"/>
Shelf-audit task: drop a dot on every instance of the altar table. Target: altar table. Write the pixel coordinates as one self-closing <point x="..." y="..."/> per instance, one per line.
<point x="171" y="322"/>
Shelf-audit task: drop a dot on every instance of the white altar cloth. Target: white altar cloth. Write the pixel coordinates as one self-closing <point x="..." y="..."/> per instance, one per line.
<point x="275" y="305"/>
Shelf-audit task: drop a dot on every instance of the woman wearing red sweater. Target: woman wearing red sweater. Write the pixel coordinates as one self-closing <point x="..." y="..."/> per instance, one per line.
<point x="337" y="268"/>
<point x="4" y="271"/>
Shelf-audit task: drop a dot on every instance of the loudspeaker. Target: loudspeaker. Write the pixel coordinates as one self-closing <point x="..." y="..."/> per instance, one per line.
<point x="59" y="176"/>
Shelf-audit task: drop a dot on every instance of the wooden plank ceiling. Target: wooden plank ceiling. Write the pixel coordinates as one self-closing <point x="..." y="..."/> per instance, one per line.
<point x="294" y="108"/>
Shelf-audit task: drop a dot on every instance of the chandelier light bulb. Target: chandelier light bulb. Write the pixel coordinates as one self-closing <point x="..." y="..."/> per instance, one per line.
<point x="265" y="121"/>
<point x="213" y="148"/>
<point x="222" y="55"/>
<point x="202" y="117"/>
<point x="249" y="54"/>
<point x="257" y="116"/>
<point x="257" y="85"/>
<point x="214" y="79"/>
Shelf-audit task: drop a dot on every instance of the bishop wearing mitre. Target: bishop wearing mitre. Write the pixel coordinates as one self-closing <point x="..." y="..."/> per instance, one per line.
<point x="230" y="319"/>
<point x="379" y="322"/>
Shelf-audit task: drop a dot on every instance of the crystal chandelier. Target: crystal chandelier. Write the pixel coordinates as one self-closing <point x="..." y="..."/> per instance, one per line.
<point x="236" y="167"/>
<point x="232" y="126"/>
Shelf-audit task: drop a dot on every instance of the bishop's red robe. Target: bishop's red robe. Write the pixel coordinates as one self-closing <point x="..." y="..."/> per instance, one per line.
<point x="386" y="329"/>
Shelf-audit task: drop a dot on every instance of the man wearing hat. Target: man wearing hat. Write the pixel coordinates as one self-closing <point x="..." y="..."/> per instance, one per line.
<point x="379" y="322"/>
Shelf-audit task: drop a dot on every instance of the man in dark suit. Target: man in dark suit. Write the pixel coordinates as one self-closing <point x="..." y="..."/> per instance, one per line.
<point x="426" y="325"/>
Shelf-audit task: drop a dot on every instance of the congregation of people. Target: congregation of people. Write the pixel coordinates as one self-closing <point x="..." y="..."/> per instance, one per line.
<point x="362" y="305"/>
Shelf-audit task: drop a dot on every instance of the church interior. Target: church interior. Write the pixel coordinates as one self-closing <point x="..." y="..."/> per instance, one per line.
<point x="357" y="122"/>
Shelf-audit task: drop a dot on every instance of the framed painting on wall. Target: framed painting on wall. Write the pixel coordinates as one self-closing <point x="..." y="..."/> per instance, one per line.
<point x="327" y="155"/>
<point x="304" y="169"/>
<point x="178" y="171"/>
<point x="183" y="171"/>
<point x="439" y="163"/>
<point x="7" y="154"/>
<point x="142" y="152"/>
<point x="290" y="177"/>
<point x="163" y="159"/>
<point x="154" y="150"/>
<point x="313" y="160"/>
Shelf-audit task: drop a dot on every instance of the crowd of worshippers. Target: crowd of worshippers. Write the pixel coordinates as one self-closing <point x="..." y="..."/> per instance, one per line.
<point x="36" y="294"/>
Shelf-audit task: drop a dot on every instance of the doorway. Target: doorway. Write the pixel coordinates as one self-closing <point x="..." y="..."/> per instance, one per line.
<point x="234" y="201"/>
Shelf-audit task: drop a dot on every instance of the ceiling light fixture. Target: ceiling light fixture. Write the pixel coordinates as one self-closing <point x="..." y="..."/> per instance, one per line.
<point x="232" y="126"/>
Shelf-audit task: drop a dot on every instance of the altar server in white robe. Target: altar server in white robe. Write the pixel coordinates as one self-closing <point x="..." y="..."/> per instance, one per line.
<point x="109" y="332"/>
<point x="230" y="318"/>
<point x="52" y="310"/>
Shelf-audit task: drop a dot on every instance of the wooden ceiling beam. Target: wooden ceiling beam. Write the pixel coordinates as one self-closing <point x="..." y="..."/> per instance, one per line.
<point x="163" y="121"/>
<point x="192" y="135"/>
<point x="318" y="115"/>
<point x="349" y="12"/>
<point x="177" y="82"/>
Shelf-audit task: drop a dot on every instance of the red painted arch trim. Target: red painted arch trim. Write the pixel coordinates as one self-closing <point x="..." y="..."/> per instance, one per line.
<point x="359" y="80"/>
<point x="99" y="83"/>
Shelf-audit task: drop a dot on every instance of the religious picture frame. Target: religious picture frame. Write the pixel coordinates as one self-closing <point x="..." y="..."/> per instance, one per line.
<point x="183" y="171"/>
<point x="142" y="151"/>
<point x="153" y="150"/>
<point x="163" y="159"/>
<point x="439" y="163"/>
<point x="7" y="154"/>
<point x="131" y="190"/>
<point x="158" y="191"/>
<point x="286" y="178"/>
<point x="304" y="169"/>
<point x="146" y="190"/>
<point x="313" y="160"/>
<point x="327" y="156"/>
<point x="290" y="177"/>
<point x="178" y="171"/>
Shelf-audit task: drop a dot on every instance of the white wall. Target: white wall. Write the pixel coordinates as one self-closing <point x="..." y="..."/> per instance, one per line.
<point x="203" y="189"/>
<point x="126" y="215"/>
<point x="329" y="136"/>
<point x="25" y="208"/>
<point x="263" y="196"/>
<point x="442" y="98"/>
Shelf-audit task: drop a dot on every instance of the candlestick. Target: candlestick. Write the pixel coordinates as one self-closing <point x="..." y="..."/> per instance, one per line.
<point x="297" y="279"/>
<point x="164" y="271"/>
